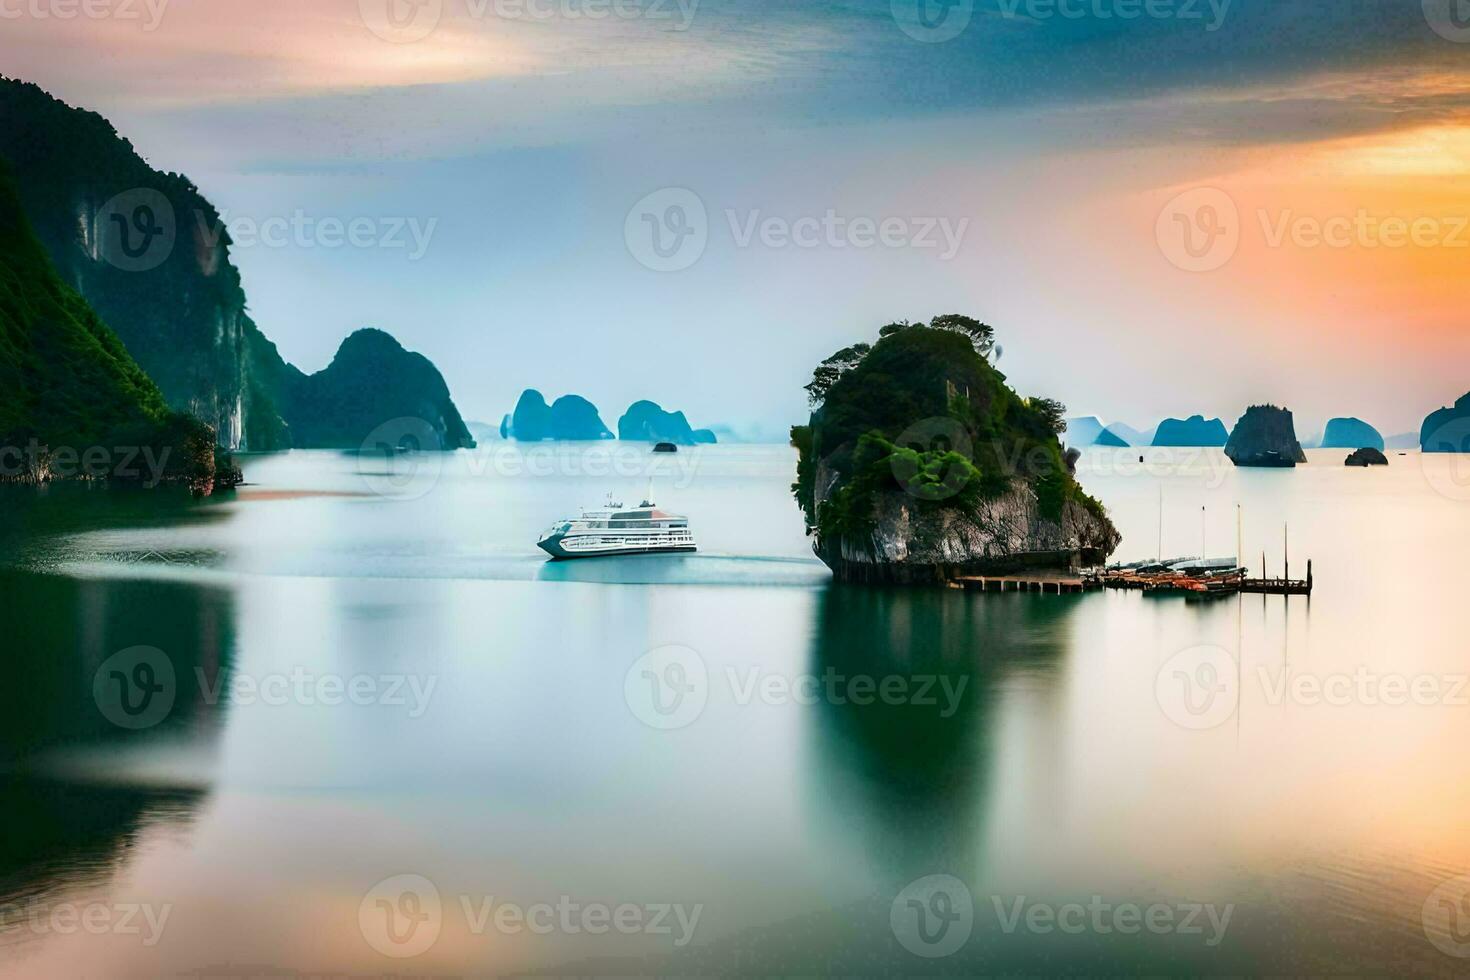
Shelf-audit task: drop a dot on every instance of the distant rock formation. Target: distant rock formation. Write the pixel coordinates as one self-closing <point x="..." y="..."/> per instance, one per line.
<point x="1265" y="436"/>
<point x="646" y="421"/>
<point x="1447" y="430"/>
<point x="571" y="417"/>
<point x="1350" y="433"/>
<point x="1089" y="431"/>
<point x="1193" y="431"/>
<point x="1367" y="456"/>
<point x="1130" y="435"/>
<point x="371" y="381"/>
<point x="531" y="420"/>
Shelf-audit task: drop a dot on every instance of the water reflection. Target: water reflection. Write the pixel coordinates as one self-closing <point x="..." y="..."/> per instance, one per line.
<point x="81" y="784"/>
<point x="909" y="772"/>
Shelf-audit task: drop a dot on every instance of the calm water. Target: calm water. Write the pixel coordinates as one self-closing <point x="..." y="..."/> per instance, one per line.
<point x="694" y="748"/>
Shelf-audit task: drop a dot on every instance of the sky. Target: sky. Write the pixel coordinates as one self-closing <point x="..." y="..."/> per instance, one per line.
<point x="1164" y="207"/>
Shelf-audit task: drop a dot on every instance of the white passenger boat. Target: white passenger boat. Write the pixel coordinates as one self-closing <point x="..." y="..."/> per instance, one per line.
<point x="616" y="530"/>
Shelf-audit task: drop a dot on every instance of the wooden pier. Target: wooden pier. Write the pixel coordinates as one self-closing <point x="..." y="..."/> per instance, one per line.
<point x="1094" y="579"/>
<point x="1053" y="584"/>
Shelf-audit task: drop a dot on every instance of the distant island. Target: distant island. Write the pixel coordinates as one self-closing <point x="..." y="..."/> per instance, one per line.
<point x="1193" y="431"/>
<point x="571" y="417"/>
<point x="1366" y="456"/>
<point x="646" y="421"/>
<point x="1351" y="433"/>
<point x="920" y="463"/>
<point x="1447" y="430"/>
<point x="1089" y="431"/>
<point x="372" y="380"/>
<point x="1265" y="436"/>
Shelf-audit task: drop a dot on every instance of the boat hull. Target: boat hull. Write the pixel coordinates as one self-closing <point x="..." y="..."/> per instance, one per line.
<point x="563" y="547"/>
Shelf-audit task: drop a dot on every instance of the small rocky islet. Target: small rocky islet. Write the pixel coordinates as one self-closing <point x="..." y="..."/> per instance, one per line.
<point x="920" y="464"/>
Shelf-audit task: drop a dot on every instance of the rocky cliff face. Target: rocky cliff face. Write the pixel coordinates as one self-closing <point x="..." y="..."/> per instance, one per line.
<point x="1351" y="433"/>
<point x="1193" y="431"/>
<point x="73" y="403"/>
<point x="1447" y="430"/>
<point x="371" y="381"/>
<point x="1265" y="436"/>
<point x="646" y="421"/>
<point x="911" y="545"/>
<point x="145" y="250"/>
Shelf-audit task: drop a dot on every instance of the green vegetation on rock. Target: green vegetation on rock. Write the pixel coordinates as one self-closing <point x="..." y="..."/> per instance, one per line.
<point x="73" y="402"/>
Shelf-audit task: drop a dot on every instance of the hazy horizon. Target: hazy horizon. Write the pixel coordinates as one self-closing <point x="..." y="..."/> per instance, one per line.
<point x="1025" y="179"/>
